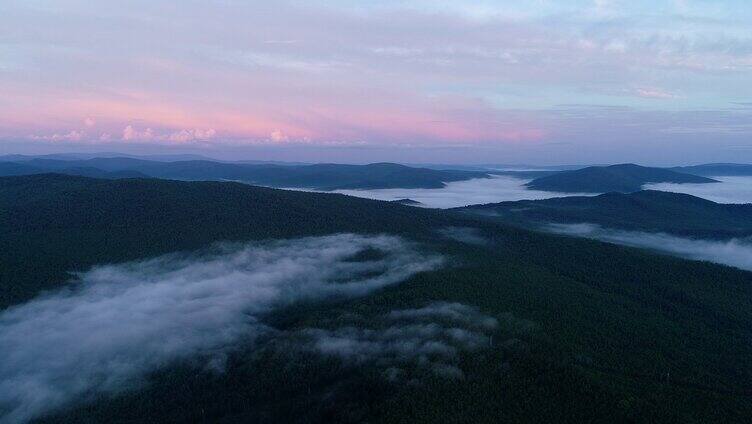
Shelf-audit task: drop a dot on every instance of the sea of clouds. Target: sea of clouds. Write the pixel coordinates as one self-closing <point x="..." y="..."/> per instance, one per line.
<point x="502" y="188"/>
<point x="498" y="188"/>
<point x="729" y="190"/>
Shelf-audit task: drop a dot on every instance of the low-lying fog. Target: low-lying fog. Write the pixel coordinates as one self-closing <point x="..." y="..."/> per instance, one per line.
<point x="729" y="190"/>
<point x="734" y="252"/>
<point x="117" y="323"/>
<point x="499" y="188"/>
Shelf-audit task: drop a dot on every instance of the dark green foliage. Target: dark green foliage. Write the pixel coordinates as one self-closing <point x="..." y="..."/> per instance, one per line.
<point x="98" y="173"/>
<point x="588" y="331"/>
<point x="52" y="224"/>
<point x="651" y="211"/>
<point x="12" y="168"/>
<point x="410" y="202"/>
<point x="624" y="178"/>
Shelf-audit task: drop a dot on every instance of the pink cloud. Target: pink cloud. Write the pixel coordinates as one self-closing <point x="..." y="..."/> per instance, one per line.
<point x="655" y="93"/>
<point x="278" y="136"/>
<point x="190" y="135"/>
<point x="69" y="136"/>
<point x="130" y="133"/>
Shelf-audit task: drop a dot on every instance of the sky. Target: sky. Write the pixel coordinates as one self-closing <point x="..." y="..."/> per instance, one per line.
<point x="656" y="82"/>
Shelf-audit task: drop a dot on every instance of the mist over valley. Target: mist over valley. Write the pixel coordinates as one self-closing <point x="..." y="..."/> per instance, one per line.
<point x="380" y="212"/>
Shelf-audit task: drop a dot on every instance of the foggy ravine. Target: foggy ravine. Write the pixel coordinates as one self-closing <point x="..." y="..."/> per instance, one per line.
<point x="734" y="252"/>
<point x="429" y="337"/>
<point x="498" y="188"/>
<point x="730" y="189"/>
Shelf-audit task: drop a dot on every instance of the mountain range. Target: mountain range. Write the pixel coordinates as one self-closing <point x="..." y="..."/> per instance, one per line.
<point x="623" y="178"/>
<point x="318" y="176"/>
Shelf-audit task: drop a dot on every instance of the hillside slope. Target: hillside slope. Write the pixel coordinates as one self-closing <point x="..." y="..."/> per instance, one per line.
<point x="319" y="176"/>
<point x="651" y="211"/>
<point x="72" y="222"/>
<point x="586" y="330"/>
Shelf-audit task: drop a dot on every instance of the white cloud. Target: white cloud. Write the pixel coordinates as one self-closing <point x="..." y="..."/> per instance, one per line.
<point x="429" y="338"/>
<point x="73" y="135"/>
<point x="655" y="93"/>
<point x="605" y="8"/>
<point x="278" y="136"/>
<point x="192" y="135"/>
<point x="131" y="133"/>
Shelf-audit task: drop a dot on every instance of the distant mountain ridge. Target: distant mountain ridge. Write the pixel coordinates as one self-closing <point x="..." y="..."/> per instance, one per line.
<point x="325" y="177"/>
<point x="650" y="211"/>
<point x="15" y="169"/>
<point x="623" y="178"/>
<point x="716" y="169"/>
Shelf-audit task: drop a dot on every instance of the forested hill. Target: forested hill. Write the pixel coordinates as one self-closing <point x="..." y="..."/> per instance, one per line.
<point x="319" y="176"/>
<point x="71" y="222"/>
<point x="716" y="169"/>
<point x="13" y="169"/>
<point x="651" y="211"/>
<point x="586" y="330"/>
<point x="625" y="178"/>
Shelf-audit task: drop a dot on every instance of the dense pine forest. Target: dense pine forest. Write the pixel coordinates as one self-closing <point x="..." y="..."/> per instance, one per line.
<point x="587" y="331"/>
<point x="646" y="210"/>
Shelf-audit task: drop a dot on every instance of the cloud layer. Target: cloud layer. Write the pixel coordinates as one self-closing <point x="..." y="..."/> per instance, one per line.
<point x="730" y="190"/>
<point x="735" y="252"/>
<point x="492" y="80"/>
<point x="119" y="322"/>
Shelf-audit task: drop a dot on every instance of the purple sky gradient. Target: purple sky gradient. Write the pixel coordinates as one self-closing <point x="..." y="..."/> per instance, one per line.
<point x="549" y="82"/>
